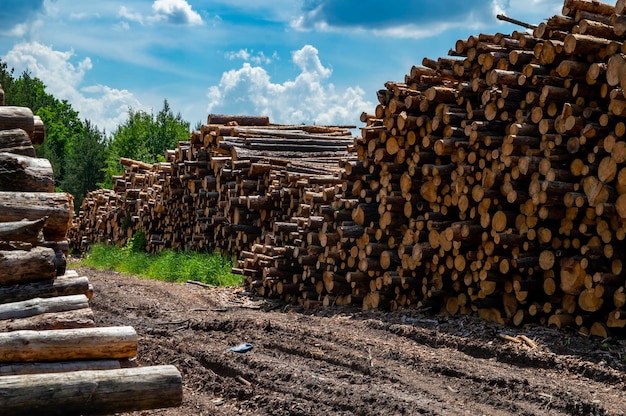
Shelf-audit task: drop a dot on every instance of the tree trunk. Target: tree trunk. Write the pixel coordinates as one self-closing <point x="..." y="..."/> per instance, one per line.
<point x="17" y="118"/>
<point x="15" y="206"/>
<point x="25" y="231"/>
<point x="18" y="173"/>
<point x="22" y="266"/>
<point x="36" y="306"/>
<point x="68" y="344"/>
<point x="71" y="319"/>
<point x="64" y="286"/>
<point x="16" y="141"/>
<point x="14" y="369"/>
<point x="91" y="392"/>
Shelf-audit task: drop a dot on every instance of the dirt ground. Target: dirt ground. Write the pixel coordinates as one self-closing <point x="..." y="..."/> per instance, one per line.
<point x="349" y="362"/>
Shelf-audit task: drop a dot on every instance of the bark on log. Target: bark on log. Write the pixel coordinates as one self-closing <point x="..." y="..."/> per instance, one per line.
<point x="238" y="120"/>
<point x="14" y="369"/>
<point x="68" y="344"/>
<point x="25" y="231"/>
<point x="65" y="286"/>
<point x="36" y="306"/>
<point x="79" y="318"/>
<point x="21" y="266"/>
<point x="16" y="141"/>
<point x="58" y="207"/>
<point x="18" y="173"/>
<point x="12" y="117"/>
<point x="91" y="392"/>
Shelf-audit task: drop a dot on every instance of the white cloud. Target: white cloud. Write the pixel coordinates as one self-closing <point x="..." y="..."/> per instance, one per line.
<point x="246" y="56"/>
<point x="176" y="12"/>
<point x="129" y="14"/>
<point x="309" y="98"/>
<point x="104" y="106"/>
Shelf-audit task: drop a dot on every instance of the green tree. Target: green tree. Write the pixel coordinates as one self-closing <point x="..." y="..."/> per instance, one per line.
<point x="144" y="137"/>
<point x="62" y="123"/>
<point x="85" y="163"/>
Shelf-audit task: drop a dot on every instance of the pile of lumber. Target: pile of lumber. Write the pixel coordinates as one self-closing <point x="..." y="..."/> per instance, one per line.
<point x="53" y="358"/>
<point x="491" y="182"/>
<point x="221" y="190"/>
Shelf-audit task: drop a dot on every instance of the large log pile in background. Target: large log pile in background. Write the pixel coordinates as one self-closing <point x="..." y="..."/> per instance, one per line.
<point x="52" y="357"/>
<point x="224" y="189"/>
<point x="491" y="182"/>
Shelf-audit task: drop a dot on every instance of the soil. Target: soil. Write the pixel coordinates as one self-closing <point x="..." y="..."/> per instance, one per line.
<point x="344" y="361"/>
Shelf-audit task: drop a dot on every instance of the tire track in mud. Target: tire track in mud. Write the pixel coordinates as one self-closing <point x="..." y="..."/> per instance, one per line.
<point x="347" y="363"/>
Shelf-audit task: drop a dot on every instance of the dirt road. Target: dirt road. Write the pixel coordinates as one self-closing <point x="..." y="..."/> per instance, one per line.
<point x="347" y="362"/>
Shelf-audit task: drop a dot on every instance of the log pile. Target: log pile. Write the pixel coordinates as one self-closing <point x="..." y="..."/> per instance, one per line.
<point x="490" y="182"/>
<point x="53" y="358"/>
<point x="221" y="190"/>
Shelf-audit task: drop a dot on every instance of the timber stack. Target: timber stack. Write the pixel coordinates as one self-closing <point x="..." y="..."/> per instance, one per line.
<point x="53" y="358"/>
<point x="222" y="190"/>
<point x="490" y="182"/>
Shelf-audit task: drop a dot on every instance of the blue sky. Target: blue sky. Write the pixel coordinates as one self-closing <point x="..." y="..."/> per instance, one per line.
<point x="297" y="61"/>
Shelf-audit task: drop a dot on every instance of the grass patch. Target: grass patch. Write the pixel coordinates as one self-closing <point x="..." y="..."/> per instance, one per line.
<point x="169" y="265"/>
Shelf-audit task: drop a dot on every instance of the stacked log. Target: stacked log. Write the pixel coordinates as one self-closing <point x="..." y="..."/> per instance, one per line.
<point x="52" y="356"/>
<point x="490" y="182"/>
<point x="221" y="190"/>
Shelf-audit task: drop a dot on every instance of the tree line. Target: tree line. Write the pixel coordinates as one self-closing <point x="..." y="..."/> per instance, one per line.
<point x="83" y="156"/>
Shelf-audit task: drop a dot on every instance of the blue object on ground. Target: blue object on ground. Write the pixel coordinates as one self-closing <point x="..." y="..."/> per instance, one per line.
<point x="241" y="348"/>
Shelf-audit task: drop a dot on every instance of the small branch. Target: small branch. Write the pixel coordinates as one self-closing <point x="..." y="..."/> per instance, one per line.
<point x="195" y="282"/>
<point x="515" y="21"/>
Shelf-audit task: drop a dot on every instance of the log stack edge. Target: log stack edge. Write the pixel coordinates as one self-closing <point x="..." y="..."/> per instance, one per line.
<point x="53" y="358"/>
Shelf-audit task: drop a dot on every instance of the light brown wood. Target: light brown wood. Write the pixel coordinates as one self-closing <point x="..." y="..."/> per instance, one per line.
<point x="68" y="344"/>
<point x="86" y="392"/>
<point x="36" y="306"/>
<point x="64" y="286"/>
<point x="68" y="319"/>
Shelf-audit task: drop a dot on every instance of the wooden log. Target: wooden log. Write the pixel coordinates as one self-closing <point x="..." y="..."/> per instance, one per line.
<point x="36" y="306"/>
<point x="19" y="173"/>
<point x="238" y="120"/>
<point x="16" y="141"/>
<point x="70" y="319"/>
<point x="12" y="117"/>
<point x="45" y="289"/>
<point x="20" y="266"/>
<point x="68" y="344"/>
<point x="58" y="207"/>
<point x="89" y="392"/>
<point x="25" y="231"/>
<point x="14" y="369"/>
<point x="39" y="133"/>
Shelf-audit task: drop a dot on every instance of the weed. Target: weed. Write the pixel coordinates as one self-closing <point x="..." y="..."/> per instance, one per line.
<point x="169" y="265"/>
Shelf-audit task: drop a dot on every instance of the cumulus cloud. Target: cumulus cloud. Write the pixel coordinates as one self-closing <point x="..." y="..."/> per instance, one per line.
<point x="106" y="107"/>
<point x="414" y="18"/>
<point x="249" y="56"/>
<point x="309" y="98"/>
<point x="175" y="12"/>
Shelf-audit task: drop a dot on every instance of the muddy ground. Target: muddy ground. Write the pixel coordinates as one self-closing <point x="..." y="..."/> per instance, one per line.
<point x="348" y="362"/>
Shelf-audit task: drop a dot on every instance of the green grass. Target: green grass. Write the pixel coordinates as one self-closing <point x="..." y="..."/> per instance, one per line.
<point x="169" y="265"/>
